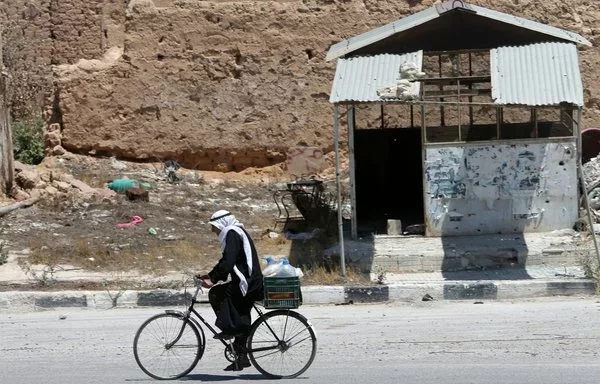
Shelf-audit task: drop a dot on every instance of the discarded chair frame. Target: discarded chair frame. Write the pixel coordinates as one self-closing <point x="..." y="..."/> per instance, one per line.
<point x="308" y="198"/>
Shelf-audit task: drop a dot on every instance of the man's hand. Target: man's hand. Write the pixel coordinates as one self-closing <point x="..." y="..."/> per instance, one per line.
<point x="205" y="281"/>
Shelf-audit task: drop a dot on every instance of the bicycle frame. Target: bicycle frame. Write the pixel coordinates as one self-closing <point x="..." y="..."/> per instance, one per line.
<point x="280" y="343"/>
<point x="191" y="310"/>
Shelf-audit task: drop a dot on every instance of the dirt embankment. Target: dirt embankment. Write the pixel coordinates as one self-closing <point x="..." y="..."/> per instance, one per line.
<point x="220" y="85"/>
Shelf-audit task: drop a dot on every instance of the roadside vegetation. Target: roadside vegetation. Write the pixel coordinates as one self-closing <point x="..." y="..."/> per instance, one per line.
<point x="28" y="140"/>
<point x="28" y="81"/>
<point x="591" y="267"/>
<point x="159" y="259"/>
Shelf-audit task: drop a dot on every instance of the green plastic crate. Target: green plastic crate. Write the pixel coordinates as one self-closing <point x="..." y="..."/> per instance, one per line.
<point x="282" y="292"/>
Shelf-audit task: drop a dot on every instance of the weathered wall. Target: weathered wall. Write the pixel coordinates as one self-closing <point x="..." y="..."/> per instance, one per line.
<point x="223" y="84"/>
<point x="524" y="188"/>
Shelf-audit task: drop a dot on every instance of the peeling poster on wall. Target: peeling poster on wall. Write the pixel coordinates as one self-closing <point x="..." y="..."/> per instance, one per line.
<point x="443" y="175"/>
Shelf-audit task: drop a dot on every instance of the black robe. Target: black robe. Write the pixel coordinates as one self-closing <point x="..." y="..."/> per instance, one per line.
<point x="230" y="306"/>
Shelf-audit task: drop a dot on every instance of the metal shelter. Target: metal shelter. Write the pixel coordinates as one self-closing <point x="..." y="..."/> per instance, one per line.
<point x="487" y="78"/>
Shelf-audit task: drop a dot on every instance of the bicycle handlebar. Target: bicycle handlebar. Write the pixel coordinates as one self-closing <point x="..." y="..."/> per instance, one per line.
<point x="198" y="283"/>
<point x="196" y="280"/>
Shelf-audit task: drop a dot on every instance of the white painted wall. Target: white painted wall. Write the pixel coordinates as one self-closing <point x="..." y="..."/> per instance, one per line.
<point x="500" y="188"/>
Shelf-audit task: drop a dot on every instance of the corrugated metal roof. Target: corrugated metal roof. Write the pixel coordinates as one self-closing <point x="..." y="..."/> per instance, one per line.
<point x="354" y="43"/>
<point x="536" y="74"/>
<point x="359" y="78"/>
<point x="531" y="25"/>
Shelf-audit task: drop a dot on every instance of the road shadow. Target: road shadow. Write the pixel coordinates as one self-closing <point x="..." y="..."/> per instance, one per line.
<point x="481" y="260"/>
<point x="225" y="377"/>
<point x="508" y="273"/>
<point x="485" y="257"/>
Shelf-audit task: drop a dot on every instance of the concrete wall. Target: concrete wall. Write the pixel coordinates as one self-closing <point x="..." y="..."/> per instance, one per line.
<point x="524" y="186"/>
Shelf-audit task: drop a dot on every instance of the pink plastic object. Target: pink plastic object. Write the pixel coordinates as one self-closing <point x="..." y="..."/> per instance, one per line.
<point x="134" y="220"/>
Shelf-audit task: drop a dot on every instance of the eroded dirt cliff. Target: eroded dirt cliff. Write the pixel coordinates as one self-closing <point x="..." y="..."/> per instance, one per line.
<point x="221" y="85"/>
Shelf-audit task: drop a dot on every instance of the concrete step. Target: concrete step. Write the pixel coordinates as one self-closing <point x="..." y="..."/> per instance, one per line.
<point x="405" y="254"/>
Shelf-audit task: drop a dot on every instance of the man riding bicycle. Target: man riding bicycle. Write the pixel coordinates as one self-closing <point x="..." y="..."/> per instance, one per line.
<point x="232" y="301"/>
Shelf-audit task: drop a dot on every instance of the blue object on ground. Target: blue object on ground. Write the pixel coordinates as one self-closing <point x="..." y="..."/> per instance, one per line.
<point x="121" y="185"/>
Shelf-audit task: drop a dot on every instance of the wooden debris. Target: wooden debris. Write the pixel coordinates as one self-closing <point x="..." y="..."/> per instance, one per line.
<point x="21" y="204"/>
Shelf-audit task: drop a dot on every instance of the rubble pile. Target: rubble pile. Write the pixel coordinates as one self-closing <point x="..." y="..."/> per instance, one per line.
<point x="591" y="177"/>
<point x="591" y="172"/>
<point x="52" y="184"/>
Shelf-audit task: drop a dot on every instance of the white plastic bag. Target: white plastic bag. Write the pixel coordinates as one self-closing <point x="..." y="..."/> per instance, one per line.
<point x="272" y="268"/>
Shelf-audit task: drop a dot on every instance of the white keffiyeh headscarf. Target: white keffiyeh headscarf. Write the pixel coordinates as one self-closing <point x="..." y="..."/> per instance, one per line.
<point x="226" y="222"/>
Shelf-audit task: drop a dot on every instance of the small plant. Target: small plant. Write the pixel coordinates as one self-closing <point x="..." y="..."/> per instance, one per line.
<point x="41" y="265"/>
<point x="380" y="274"/>
<point x="28" y="141"/>
<point x="44" y="276"/>
<point x="591" y="268"/>
<point x="113" y="298"/>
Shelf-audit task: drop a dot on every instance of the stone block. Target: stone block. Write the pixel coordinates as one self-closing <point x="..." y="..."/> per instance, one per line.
<point x="58" y="150"/>
<point x="367" y="294"/>
<point x="61" y="301"/>
<point x="137" y="194"/>
<point x="162" y="298"/>
<point x="62" y="186"/>
<point x="470" y="291"/>
<point x="52" y="139"/>
<point x="394" y="227"/>
<point x="83" y="187"/>
<point x="28" y="178"/>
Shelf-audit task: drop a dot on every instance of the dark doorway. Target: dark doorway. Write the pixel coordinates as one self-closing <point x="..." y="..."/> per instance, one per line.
<point x="389" y="178"/>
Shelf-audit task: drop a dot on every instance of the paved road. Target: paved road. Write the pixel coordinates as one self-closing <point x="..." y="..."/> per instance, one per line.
<point x="542" y="341"/>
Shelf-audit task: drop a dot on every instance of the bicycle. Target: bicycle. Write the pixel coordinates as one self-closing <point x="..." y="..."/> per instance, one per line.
<point x="169" y="345"/>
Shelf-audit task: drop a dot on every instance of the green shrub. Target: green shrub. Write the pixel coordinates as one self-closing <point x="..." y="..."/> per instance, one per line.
<point x="28" y="141"/>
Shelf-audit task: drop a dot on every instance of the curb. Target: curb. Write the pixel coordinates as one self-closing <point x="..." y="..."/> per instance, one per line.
<point x="492" y="290"/>
<point x="413" y="291"/>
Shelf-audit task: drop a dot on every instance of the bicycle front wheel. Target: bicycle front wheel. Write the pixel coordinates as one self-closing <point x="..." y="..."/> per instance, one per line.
<point x="168" y="346"/>
<point x="282" y="344"/>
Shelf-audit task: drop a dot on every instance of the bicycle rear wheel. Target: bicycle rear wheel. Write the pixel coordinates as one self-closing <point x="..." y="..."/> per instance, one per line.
<point x="282" y="344"/>
<point x="168" y="346"/>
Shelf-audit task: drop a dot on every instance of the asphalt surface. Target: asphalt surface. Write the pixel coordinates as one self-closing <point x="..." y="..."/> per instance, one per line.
<point x="529" y="341"/>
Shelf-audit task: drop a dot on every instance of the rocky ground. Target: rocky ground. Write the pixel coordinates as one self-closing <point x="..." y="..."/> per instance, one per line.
<point x="76" y="226"/>
<point x="78" y="221"/>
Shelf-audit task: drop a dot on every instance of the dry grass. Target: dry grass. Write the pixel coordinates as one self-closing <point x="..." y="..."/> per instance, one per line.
<point x="320" y="275"/>
<point x="591" y="267"/>
<point x="266" y="245"/>
<point x="158" y="258"/>
<point x="153" y="259"/>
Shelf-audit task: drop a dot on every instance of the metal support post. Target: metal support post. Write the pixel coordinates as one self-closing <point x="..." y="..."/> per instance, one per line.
<point x="336" y="138"/>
